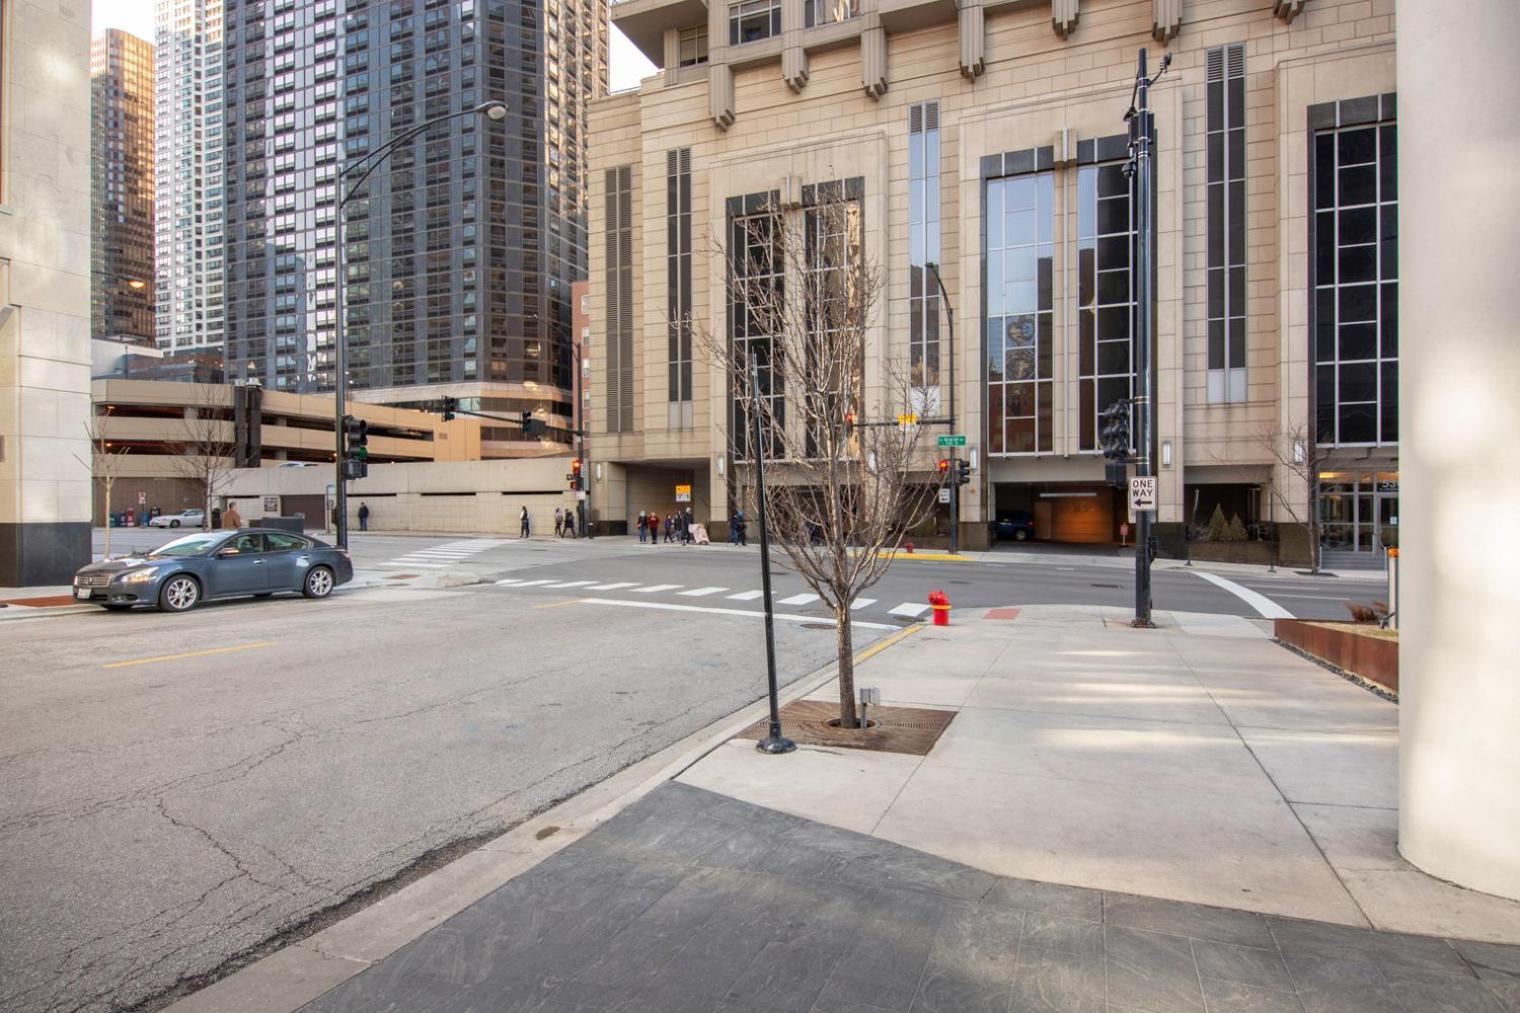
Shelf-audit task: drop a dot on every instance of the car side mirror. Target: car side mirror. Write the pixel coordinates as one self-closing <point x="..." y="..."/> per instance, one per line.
<point x="227" y="553"/>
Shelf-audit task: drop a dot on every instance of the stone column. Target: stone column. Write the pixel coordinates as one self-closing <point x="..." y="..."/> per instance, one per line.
<point x="45" y="296"/>
<point x="1459" y="423"/>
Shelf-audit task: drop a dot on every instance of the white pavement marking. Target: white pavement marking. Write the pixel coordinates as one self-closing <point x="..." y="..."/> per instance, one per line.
<point x="573" y="583"/>
<point x="535" y="583"/>
<point x="652" y="588"/>
<point x="613" y="587"/>
<point x="860" y="603"/>
<point x="799" y="599"/>
<point x="1268" y="608"/>
<point x="745" y="596"/>
<point x="402" y="565"/>
<point x="671" y="606"/>
<point x="702" y="592"/>
<point x="909" y="609"/>
<point x="509" y="582"/>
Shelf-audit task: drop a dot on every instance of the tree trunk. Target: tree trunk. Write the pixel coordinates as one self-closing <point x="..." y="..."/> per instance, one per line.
<point x="844" y="636"/>
<point x="108" y="483"/>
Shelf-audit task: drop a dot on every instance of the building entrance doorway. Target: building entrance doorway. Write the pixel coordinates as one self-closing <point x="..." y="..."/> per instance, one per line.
<point x="1358" y="511"/>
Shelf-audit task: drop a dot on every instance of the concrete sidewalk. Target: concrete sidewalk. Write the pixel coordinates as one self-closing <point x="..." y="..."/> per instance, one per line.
<point x="1198" y="762"/>
<point x="1116" y="820"/>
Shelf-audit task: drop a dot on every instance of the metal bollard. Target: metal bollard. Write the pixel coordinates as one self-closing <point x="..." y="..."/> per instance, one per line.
<point x="1393" y="589"/>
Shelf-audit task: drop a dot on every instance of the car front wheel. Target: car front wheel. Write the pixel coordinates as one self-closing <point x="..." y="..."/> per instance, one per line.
<point x="179" y="594"/>
<point x="174" y="524"/>
<point x="319" y="582"/>
<point x="1021" y="535"/>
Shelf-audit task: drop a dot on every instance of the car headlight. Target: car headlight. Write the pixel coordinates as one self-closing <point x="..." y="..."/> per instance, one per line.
<point x="139" y="576"/>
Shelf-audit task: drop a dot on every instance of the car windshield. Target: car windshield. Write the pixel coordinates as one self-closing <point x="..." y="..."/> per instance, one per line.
<point x="190" y="545"/>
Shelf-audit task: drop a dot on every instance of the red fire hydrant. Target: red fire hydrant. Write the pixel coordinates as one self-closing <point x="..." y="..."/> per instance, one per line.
<point x="939" y="601"/>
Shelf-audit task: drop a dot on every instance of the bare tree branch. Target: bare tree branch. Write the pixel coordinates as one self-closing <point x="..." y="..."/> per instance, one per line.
<point x="1297" y="454"/>
<point x="105" y="466"/>
<point x="844" y="481"/>
<point x="204" y="443"/>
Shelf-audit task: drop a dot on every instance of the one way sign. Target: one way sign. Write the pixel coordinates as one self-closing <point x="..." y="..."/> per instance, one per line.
<point x="1142" y="493"/>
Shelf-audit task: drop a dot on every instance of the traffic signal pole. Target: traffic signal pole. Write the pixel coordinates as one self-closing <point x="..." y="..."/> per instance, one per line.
<point x="1142" y="133"/>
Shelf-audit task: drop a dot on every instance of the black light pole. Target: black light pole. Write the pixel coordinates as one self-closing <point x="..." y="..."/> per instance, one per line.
<point x="1142" y="132"/>
<point x="775" y="742"/>
<point x="955" y="487"/>
<point x="494" y="111"/>
<point x="578" y="421"/>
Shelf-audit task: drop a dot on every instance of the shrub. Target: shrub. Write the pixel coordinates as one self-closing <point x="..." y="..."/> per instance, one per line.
<point x="1374" y="613"/>
<point x="1238" y="531"/>
<point x="1219" y="528"/>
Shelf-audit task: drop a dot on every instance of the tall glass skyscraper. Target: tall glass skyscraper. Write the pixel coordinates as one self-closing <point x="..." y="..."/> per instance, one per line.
<point x="189" y="207"/>
<point x="461" y="248"/>
<point x="121" y="186"/>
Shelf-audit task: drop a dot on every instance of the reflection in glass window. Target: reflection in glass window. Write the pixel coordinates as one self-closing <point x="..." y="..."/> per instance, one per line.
<point x="753" y="20"/>
<point x="757" y="265"/>
<point x="1226" y="166"/>
<point x="1356" y="270"/>
<point x="923" y="247"/>
<point x="1105" y="301"/>
<point x="1020" y="222"/>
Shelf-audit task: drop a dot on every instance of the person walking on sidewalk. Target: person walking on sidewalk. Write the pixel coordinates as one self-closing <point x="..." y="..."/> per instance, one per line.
<point x="654" y="528"/>
<point x="670" y="526"/>
<point x="688" y="527"/>
<point x="232" y="520"/>
<point x="523" y="522"/>
<point x="570" y="523"/>
<point x="643" y="525"/>
<point x="559" y="523"/>
<point x="363" y="516"/>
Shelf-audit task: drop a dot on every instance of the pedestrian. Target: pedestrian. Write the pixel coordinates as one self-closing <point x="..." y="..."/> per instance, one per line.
<point x="670" y="528"/>
<point x="570" y="523"/>
<point x="216" y="518"/>
<point x="559" y="523"/>
<point x="733" y="528"/>
<point x="688" y="527"/>
<point x="643" y="525"/>
<point x="654" y="528"/>
<point x="232" y="520"/>
<point x="743" y="529"/>
<point x="363" y="516"/>
<point x="523" y="520"/>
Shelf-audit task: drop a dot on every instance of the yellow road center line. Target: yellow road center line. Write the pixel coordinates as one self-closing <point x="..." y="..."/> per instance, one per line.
<point x="189" y="654"/>
<point x="882" y="645"/>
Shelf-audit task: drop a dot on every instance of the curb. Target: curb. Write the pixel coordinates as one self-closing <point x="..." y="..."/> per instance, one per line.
<point x="302" y="971"/>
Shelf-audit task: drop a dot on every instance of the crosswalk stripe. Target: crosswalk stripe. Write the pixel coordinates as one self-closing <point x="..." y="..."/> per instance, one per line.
<point x="799" y="599"/>
<point x="860" y="603"/>
<point x="573" y="583"/>
<point x="535" y="583"/>
<point x="652" y="588"/>
<point x="613" y="587"/>
<point x="409" y="564"/>
<point x="909" y="609"/>
<point x="745" y="595"/>
<point x="509" y="582"/>
<point x="702" y="592"/>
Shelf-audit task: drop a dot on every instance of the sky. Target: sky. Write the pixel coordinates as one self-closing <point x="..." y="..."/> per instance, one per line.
<point x="136" y="16"/>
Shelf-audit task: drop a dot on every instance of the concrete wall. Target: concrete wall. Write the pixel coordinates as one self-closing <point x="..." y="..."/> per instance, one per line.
<point x="44" y="293"/>
<point x="1459" y="713"/>
<point x="464" y="496"/>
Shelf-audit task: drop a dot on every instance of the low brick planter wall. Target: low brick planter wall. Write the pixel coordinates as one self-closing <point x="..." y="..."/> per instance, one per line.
<point x="1365" y="655"/>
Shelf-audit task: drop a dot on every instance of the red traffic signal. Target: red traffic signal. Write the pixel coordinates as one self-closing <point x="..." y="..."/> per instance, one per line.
<point x="944" y="466"/>
<point x="575" y="474"/>
<point x="849" y="424"/>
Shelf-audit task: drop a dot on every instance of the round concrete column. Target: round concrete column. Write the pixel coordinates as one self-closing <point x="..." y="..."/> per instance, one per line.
<point x="1459" y="426"/>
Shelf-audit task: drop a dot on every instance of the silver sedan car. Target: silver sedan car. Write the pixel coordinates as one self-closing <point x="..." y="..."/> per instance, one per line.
<point x="215" y="564"/>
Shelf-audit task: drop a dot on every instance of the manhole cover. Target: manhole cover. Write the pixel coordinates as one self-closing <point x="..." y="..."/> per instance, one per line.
<point x="911" y="730"/>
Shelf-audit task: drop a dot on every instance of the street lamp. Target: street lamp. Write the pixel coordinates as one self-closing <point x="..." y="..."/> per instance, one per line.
<point x="955" y="488"/>
<point x="495" y="111"/>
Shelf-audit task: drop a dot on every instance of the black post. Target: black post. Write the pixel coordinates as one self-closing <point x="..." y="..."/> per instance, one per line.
<point x="775" y="742"/>
<point x="955" y="489"/>
<point x="1142" y="133"/>
<point x="579" y="424"/>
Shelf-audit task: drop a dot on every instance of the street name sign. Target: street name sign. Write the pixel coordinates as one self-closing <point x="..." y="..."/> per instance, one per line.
<point x="1142" y="493"/>
<point x="954" y="440"/>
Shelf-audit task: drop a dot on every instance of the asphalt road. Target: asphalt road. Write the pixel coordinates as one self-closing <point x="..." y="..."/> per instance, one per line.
<point x="175" y="789"/>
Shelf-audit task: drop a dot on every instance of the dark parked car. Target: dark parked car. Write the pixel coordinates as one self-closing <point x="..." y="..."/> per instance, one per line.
<point x="215" y="564"/>
<point x="1017" y="527"/>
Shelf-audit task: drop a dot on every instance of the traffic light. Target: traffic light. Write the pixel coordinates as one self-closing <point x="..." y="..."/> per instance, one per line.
<point x="450" y="405"/>
<point x="530" y="425"/>
<point x="849" y="424"/>
<point x="1114" y="432"/>
<point x="575" y="474"/>
<point x="355" y="447"/>
<point x="962" y="471"/>
<point x="944" y="468"/>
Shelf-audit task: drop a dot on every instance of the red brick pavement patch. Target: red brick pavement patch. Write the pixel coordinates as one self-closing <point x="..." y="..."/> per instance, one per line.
<point x="40" y="603"/>
<point x="1004" y="613"/>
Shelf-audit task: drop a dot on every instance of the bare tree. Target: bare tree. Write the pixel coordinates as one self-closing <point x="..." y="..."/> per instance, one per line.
<point x="105" y="465"/>
<point x="1297" y="454"/>
<point x="844" y="481"/>
<point x="205" y="446"/>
